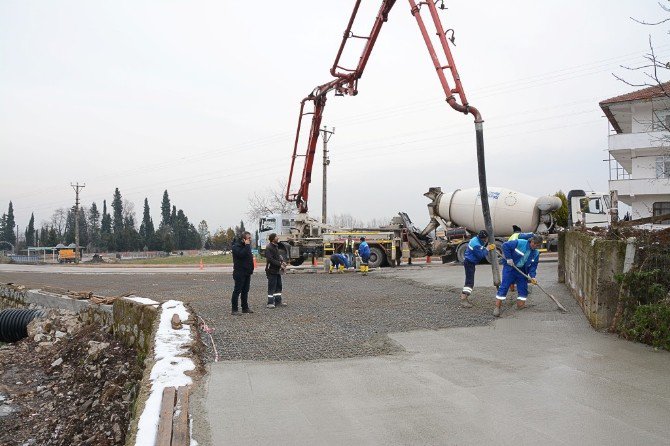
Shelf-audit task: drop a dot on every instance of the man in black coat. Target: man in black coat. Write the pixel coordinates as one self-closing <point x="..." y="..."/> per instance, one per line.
<point x="273" y="269"/>
<point x="243" y="268"/>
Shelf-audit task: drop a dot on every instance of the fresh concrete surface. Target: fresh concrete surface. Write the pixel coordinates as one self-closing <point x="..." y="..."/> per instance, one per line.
<point x="532" y="377"/>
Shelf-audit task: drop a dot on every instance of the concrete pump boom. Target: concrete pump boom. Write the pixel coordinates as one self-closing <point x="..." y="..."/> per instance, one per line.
<point x="346" y="83"/>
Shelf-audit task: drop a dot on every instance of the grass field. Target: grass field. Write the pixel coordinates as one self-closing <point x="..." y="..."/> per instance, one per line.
<point x="182" y="260"/>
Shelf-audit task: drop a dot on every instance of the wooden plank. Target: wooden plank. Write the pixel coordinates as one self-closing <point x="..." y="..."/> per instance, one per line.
<point x="181" y="434"/>
<point x="164" y="436"/>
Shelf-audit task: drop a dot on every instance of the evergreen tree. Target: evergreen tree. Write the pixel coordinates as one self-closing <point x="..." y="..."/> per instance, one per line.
<point x="106" y="225"/>
<point x="30" y="231"/>
<point x="117" y="206"/>
<point x="68" y="234"/>
<point x="560" y="215"/>
<point x="239" y="230"/>
<point x="165" y="209"/>
<point x="9" y="225"/>
<point x="44" y="236"/>
<point x="146" y="233"/>
<point x="3" y="225"/>
<point x="173" y="215"/>
<point x="94" y="227"/>
<point x="117" y="221"/>
<point x="131" y="238"/>
<point x="52" y="237"/>
<point x="203" y="231"/>
<point x="84" y="231"/>
<point x="106" y="237"/>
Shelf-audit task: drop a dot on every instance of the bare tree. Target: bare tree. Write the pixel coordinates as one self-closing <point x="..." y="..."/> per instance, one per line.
<point x="128" y="210"/>
<point x="271" y="201"/>
<point x="654" y="72"/>
<point x="58" y="220"/>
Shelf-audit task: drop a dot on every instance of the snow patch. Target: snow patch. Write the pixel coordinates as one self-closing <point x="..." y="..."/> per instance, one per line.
<point x="142" y="300"/>
<point x="168" y="371"/>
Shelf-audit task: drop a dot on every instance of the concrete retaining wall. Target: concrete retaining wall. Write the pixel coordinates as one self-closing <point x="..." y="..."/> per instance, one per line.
<point x="587" y="265"/>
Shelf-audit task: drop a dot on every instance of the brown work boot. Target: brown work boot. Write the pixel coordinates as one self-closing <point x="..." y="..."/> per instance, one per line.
<point x="465" y="302"/>
<point x="520" y="305"/>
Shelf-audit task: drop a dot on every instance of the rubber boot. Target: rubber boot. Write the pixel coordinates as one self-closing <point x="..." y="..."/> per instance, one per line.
<point x="271" y="302"/>
<point x="465" y="303"/>
<point x="496" y="310"/>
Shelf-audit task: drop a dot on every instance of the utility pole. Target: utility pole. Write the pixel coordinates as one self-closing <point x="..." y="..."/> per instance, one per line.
<point x="325" y="134"/>
<point x="76" y="188"/>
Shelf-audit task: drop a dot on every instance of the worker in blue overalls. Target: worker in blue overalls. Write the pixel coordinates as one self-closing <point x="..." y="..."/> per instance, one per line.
<point x="523" y="254"/>
<point x="475" y="253"/>
<point x="364" y="254"/>
<point x="338" y="262"/>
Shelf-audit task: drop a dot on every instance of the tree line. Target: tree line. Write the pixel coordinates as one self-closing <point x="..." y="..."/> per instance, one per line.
<point x="115" y="228"/>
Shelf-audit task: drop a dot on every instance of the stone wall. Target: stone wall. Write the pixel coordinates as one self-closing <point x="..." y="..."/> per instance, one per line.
<point x="131" y="320"/>
<point x="588" y="265"/>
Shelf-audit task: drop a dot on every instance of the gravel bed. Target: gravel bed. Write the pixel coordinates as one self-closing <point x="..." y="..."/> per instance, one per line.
<point x="328" y="316"/>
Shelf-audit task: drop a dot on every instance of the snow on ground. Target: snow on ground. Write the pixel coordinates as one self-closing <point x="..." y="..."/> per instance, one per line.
<point x="169" y="369"/>
<point x="142" y="300"/>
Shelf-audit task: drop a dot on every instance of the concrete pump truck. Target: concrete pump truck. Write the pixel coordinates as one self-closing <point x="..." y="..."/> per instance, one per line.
<point x="306" y="233"/>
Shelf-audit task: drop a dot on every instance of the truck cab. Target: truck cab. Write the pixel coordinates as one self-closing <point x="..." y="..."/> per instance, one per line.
<point x="591" y="209"/>
<point x="279" y="224"/>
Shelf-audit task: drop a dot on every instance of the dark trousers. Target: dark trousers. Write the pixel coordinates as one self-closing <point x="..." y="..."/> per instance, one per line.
<point x="242" y="283"/>
<point x="274" y="288"/>
<point x="469" y="276"/>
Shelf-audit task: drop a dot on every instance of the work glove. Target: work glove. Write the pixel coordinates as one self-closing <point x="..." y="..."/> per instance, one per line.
<point x="510" y="262"/>
<point x="533" y="281"/>
<point x="491" y="247"/>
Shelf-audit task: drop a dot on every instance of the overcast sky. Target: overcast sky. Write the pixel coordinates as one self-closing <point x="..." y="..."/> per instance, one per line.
<point x="201" y="98"/>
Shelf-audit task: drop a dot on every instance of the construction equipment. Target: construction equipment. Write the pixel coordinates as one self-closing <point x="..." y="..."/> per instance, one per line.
<point x="558" y="304"/>
<point x="345" y="82"/>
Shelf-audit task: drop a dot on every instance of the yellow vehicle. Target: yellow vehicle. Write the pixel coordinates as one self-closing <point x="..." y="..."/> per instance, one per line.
<point x="67" y="255"/>
<point x="384" y="246"/>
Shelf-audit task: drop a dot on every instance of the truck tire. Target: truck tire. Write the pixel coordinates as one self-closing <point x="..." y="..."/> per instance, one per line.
<point x="297" y="262"/>
<point x="460" y="252"/>
<point x="377" y="257"/>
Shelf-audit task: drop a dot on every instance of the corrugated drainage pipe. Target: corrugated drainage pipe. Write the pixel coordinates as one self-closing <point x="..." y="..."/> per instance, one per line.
<point x="14" y="323"/>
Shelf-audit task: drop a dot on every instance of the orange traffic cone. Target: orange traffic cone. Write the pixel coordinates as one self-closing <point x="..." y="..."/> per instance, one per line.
<point x="254" y="262"/>
<point x="201" y="265"/>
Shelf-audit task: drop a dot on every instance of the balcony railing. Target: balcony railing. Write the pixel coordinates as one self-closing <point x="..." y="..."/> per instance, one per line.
<point x="641" y="186"/>
<point x="628" y="141"/>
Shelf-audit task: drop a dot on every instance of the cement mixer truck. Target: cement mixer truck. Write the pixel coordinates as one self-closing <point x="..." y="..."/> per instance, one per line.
<point x="462" y="208"/>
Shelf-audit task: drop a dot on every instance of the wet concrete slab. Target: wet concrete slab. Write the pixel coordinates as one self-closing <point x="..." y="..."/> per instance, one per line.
<point x="534" y="376"/>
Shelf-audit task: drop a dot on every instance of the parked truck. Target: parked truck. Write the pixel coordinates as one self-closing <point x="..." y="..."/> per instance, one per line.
<point x="301" y="237"/>
<point x="458" y="213"/>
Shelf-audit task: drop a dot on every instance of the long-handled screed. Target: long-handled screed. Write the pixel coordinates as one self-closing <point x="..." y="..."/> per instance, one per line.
<point x="558" y="304"/>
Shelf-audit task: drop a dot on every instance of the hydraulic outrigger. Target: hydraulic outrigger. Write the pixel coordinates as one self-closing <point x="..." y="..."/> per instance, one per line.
<point x="346" y="83"/>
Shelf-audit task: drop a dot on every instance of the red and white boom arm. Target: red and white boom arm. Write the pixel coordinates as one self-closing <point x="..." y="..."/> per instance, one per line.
<point x="346" y="83"/>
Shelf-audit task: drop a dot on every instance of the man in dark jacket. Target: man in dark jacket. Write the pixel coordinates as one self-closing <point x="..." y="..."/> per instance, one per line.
<point x="243" y="268"/>
<point x="273" y="269"/>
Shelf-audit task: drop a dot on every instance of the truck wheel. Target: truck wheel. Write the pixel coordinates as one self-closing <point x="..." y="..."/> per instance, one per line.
<point x="460" y="252"/>
<point x="377" y="257"/>
<point x="297" y="262"/>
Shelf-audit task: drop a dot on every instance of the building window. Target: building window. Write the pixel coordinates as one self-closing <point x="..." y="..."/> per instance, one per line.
<point x="663" y="167"/>
<point x="661" y="120"/>
<point x="662" y="208"/>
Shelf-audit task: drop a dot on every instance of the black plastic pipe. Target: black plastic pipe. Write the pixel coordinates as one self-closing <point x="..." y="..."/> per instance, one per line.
<point x="14" y="323"/>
